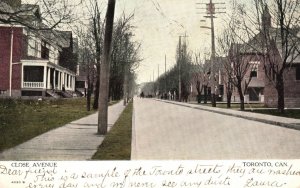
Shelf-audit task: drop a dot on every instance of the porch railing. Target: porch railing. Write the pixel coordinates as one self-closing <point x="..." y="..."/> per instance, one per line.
<point x="33" y="84"/>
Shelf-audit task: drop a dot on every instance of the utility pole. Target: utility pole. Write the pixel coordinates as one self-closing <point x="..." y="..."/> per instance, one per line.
<point x="11" y="60"/>
<point x="179" y="65"/>
<point x="126" y="74"/>
<point x="157" y="71"/>
<point x="158" y="84"/>
<point x="104" y="72"/>
<point x="165" y="73"/>
<point x="211" y="10"/>
<point x="153" y="84"/>
<point x="179" y="71"/>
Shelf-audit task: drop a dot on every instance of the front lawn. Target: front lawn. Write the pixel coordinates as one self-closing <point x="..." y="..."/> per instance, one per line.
<point x="21" y="120"/>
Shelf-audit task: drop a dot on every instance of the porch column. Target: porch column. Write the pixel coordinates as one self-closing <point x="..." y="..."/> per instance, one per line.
<point x="22" y="76"/>
<point x="74" y="81"/>
<point x="63" y="80"/>
<point x="69" y="81"/>
<point x="66" y="81"/>
<point x="59" y="81"/>
<point x="48" y="80"/>
<point x="45" y="78"/>
<point x="54" y="79"/>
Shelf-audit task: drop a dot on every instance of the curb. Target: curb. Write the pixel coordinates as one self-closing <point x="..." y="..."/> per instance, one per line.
<point x="295" y="126"/>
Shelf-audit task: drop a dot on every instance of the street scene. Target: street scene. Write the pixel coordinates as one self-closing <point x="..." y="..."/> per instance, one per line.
<point x="149" y="93"/>
<point x="149" y="80"/>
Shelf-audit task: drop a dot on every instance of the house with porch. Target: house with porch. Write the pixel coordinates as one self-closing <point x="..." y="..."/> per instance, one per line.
<point x="35" y="62"/>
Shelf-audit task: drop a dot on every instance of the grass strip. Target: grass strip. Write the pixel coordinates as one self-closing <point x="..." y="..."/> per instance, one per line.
<point x="22" y="120"/>
<point x="236" y="106"/>
<point x="117" y="143"/>
<point x="289" y="113"/>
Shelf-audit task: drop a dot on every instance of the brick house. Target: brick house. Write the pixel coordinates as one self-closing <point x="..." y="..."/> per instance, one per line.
<point x="261" y="88"/>
<point x="41" y="63"/>
<point x="291" y="76"/>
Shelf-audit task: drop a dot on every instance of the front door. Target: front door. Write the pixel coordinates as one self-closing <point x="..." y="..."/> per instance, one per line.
<point x="253" y="94"/>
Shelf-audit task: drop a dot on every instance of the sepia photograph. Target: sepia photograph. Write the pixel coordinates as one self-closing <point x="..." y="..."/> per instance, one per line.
<point x="189" y="93"/>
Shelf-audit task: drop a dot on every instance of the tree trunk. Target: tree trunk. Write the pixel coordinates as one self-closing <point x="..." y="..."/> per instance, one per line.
<point x="96" y="95"/>
<point x="280" y="92"/>
<point x="229" y="100"/>
<point x="229" y="94"/>
<point x="205" y="94"/>
<point x="104" y="71"/>
<point x="88" y="93"/>
<point x="242" y="99"/>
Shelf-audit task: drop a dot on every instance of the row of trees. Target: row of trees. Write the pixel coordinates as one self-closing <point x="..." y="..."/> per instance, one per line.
<point x="179" y="74"/>
<point x="268" y="36"/>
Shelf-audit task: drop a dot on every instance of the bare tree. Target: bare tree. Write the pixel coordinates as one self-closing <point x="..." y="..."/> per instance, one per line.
<point x="98" y="32"/>
<point x="273" y="34"/>
<point x="125" y="58"/>
<point x="281" y="43"/>
<point x="87" y="59"/>
<point x="201" y="77"/>
<point x="237" y="64"/>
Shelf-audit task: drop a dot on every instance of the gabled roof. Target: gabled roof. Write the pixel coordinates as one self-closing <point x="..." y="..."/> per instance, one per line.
<point x="255" y="44"/>
<point x="64" y="38"/>
<point x="61" y="38"/>
<point x="4" y="9"/>
<point x="24" y="14"/>
<point x="30" y="10"/>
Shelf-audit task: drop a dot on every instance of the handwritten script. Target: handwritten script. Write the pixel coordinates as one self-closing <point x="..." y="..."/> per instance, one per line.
<point x="150" y="174"/>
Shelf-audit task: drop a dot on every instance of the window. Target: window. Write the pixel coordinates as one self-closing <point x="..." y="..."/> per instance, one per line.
<point x="254" y="68"/>
<point x="44" y="50"/>
<point x="253" y="74"/>
<point x="32" y="46"/>
<point x="221" y="89"/>
<point x="298" y="73"/>
<point x="33" y="73"/>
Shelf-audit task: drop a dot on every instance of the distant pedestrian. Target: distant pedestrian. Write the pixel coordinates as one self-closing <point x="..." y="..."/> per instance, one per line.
<point x="142" y="95"/>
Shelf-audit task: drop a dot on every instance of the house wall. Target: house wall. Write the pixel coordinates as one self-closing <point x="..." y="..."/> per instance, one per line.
<point x="5" y="37"/>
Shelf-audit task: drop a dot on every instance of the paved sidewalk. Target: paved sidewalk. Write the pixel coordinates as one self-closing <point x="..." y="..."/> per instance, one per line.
<point x="75" y="141"/>
<point x="274" y="120"/>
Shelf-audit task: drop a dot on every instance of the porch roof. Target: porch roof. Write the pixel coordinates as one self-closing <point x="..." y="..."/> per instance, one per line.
<point x="256" y="83"/>
<point x="43" y="62"/>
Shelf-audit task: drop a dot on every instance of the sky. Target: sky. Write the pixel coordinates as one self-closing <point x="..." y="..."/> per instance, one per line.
<point x="158" y="25"/>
